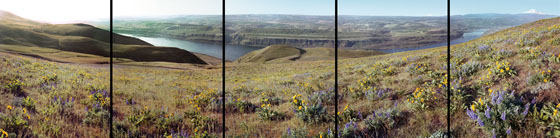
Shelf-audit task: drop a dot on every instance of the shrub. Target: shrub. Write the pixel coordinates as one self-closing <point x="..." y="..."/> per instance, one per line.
<point x="15" y="87"/>
<point x="96" y="116"/>
<point x="309" y="112"/>
<point x="350" y="130"/>
<point x="500" y="114"/>
<point x="266" y="113"/>
<point x="468" y="69"/>
<point x="541" y="77"/>
<point x="29" y="103"/>
<point x="548" y="118"/>
<point x="295" y="133"/>
<point x="381" y="121"/>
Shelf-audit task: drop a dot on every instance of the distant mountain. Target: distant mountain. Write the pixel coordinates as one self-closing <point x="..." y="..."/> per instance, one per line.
<point x="84" y="38"/>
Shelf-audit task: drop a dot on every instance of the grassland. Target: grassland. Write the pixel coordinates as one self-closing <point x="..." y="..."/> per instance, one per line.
<point x="49" y="99"/>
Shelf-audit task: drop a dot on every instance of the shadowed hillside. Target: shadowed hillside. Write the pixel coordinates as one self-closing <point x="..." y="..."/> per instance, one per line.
<point x="83" y="38"/>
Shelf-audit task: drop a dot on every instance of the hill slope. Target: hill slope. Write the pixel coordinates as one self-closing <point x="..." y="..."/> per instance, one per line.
<point x="83" y="38"/>
<point x="285" y="53"/>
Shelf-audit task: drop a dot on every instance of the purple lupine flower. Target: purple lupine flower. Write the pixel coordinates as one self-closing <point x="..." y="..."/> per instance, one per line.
<point x="360" y="115"/>
<point x="494" y="98"/>
<point x="87" y="109"/>
<point x="503" y="117"/>
<point x="500" y="98"/>
<point x="487" y="112"/>
<point x="508" y="131"/>
<point x="471" y="114"/>
<point x="480" y="122"/>
<point x="346" y="125"/>
<point x="329" y="131"/>
<point x="534" y="100"/>
<point x="289" y="131"/>
<point x="493" y="133"/>
<point x="526" y="109"/>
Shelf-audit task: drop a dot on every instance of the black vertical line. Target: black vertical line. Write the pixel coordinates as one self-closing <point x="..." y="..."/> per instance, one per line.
<point x="223" y="68"/>
<point x="111" y="70"/>
<point x="448" y="70"/>
<point x="336" y="67"/>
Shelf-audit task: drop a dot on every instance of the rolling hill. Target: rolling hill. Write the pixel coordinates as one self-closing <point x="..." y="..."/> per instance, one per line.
<point x="285" y="53"/>
<point x="83" y="38"/>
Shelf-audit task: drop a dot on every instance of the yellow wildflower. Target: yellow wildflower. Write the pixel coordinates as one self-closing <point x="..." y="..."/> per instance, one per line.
<point x="472" y="107"/>
<point x="555" y="112"/>
<point x="262" y="105"/>
<point x="558" y="105"/>
<point x="295" y="101"/>
<point x="24" y="111"/>
<point x="545" y="80"/>
<point x="507" y="69"/>
<point x="4" y="133"/>
<point x="502" y="71"/>
<point x="9" y="107"/>
<point x="268" y="105"/>
<point x="480" y="101"/>
<point x="299" y="108"/>
<point x="490" y="91"/>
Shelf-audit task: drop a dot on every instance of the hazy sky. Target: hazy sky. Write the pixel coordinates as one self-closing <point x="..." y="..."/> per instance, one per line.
<point x="305" y="7"/>
<point x="166" y="7"/>
<point x="459" y="7"/>
<point x="58" y="11"/>
<point x="393" y="7"/>
<point x="439" y="7"/>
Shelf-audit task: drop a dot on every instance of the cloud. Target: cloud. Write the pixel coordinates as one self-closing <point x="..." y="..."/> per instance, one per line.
<point x="533" y="11"/>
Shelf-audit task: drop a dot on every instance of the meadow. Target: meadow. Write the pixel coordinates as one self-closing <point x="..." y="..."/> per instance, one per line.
<point x="49" y="99"/>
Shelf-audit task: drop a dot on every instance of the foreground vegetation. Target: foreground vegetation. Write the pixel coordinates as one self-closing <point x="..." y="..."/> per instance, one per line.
<point x="49" y="99"/>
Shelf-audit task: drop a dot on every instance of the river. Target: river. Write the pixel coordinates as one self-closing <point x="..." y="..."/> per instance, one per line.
<point x="212" y="49"/>
<point x="235" y="51"/>
<point x="466" y="37"/>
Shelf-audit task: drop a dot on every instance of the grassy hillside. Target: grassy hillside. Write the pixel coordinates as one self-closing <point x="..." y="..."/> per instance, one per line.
<point x="285" y="53"/>
<point x="404" y="94"/>
<point x="83" y="38"/>
<point x="48" y="99"/>
<point x="510" y="77"/>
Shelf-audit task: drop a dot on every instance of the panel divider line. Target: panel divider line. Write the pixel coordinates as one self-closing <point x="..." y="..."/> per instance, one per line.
<point x="448" y="70"/>
<point x="223" y="68"/>
<point x="336" y="67"/>
<point x="111" y="69"/>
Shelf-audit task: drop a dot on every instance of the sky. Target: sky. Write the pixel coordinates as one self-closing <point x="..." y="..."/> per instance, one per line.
<point x="460" y="7"/>
<point x="300" y="7"/>
<point x="70" y="11"/>
<point x="393" y="7"/>
<point x="142" y="8"/>
<point x="439" y="7"/>
<point x="58" y="11"/>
